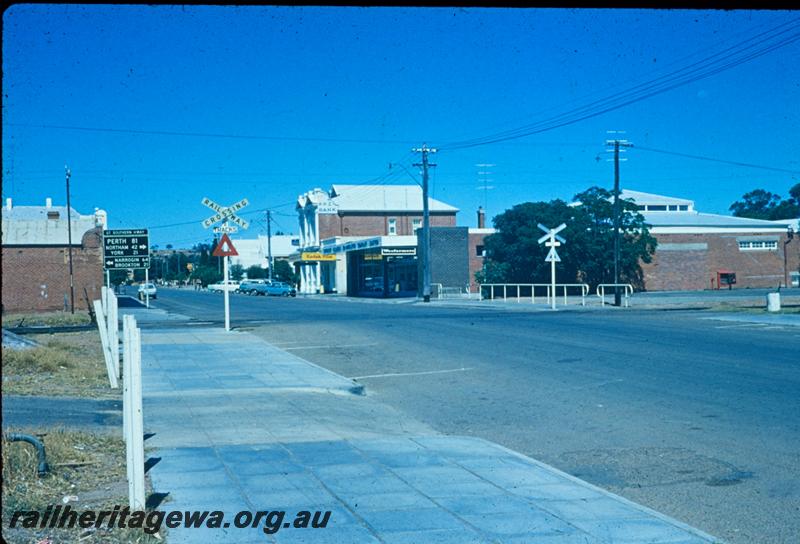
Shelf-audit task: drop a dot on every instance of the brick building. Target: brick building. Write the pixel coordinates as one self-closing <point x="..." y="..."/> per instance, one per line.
<point x="696" y="249"/>
<point x="36" y="257"/>
<point x="369" y="231"/>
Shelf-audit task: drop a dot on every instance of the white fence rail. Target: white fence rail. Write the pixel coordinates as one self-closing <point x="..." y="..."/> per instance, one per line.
<point x="524" y="291"/>
<point x="132" y="417"/>
<point x="627" y="287"/>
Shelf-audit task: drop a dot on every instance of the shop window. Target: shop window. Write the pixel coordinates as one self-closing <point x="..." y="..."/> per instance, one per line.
<point x="392" y="226"/>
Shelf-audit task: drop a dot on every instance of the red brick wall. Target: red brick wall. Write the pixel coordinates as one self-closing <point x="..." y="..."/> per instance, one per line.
<point x="693" y="270"/>
<point x="37" y="278"/>
<point x="475" y="262"/>
<point x="331" y="225"/>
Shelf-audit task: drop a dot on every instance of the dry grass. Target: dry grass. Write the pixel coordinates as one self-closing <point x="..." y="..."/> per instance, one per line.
<point x="65" y="364"/>
<point x="83" y="465"/>
<point x="51" y="319"/>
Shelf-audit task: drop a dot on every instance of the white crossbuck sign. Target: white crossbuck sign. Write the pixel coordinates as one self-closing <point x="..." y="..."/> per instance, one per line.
<point x="552" y="240"/>
<point x="225" y="213"/>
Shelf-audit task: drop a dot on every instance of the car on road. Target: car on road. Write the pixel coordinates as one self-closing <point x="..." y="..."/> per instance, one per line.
<point x="147" y="289"/>
<point x="279" y="288"/>
<point x="254" y="287"/>
<point x="221" y="286"/>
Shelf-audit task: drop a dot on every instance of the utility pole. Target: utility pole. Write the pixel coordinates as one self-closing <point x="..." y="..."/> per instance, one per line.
<point x="269" y="242"/>
<point x="69" y="242"/>
<point x="617" y="215"/>
<point x="426" y="225"/>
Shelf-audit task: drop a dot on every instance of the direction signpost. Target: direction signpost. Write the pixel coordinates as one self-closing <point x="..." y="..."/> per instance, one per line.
<point x="225" y="247"/>
<point x="127" y="249"/>
<point x="552" y="240"/>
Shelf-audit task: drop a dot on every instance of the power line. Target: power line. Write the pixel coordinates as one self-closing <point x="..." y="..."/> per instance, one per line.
<point x="711" y="159"/>
<point x="728" y="58"/>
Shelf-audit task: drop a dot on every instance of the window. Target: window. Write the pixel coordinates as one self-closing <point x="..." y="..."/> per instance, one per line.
<point x="683" y="208"/>
<point x="758" y="245"/>
<point x="392" y="226"/>
<point x="659" y="208"/>
<point x="416" y="224"/>
<point x="479" y="251"/>
<point x="673" y="208"/>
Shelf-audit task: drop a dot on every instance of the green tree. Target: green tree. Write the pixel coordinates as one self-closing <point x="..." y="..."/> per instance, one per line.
<point x="237" y="271"/>
<point x="761" y="204"/>
<point x="515" y="256"/>
<point x="206" y="274"/>
<point x="255" y="272"/>
<point x="285" y="272"/>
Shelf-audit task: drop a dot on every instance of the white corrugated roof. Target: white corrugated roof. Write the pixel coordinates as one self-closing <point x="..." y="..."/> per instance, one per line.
<point x="384" y="198"/>
<point x="650" y="198"/>
<point x="695" y="219"/>
<point x="30" y="226"/>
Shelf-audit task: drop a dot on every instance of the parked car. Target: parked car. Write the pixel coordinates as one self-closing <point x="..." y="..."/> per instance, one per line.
<point x="148" y="289"/>
<point x="221" y="286"/>
<point x="254" y="287"/>
<point x="279" y="288"/>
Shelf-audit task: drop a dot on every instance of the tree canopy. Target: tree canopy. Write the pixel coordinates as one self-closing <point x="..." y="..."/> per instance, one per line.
<point x="513" y="254"/>
<point x="761" y="204"/>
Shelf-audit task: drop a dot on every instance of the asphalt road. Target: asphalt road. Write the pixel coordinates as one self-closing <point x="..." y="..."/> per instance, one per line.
<point x="696" y="418"/>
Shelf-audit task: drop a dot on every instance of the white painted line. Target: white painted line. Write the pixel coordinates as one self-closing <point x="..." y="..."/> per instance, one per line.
<point x="331" y="346"/>
<point x="740" y="326"/>
<point x="410" y="373"/>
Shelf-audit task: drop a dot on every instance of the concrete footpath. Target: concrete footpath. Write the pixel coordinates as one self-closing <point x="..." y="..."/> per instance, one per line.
<point x="241" y="425"/>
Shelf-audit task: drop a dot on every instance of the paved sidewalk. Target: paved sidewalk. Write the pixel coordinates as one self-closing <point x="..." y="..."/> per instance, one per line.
<point x="241" y="425"/>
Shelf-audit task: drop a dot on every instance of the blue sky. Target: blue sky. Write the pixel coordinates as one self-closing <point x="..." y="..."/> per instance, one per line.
<point x="311" y="96"/>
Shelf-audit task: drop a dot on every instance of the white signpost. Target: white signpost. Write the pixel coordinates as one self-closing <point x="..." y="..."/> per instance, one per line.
<point x="552" y="240"/>
<point x="225" y="214"/>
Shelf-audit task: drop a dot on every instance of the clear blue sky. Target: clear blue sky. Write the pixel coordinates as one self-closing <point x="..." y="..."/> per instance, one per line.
<point x="334" y="94"/>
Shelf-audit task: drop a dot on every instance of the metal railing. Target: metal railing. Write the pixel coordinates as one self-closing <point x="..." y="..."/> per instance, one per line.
<point x="440" y="291"/>
<point x="522" y="291"/>
<point x="601" y="291"/>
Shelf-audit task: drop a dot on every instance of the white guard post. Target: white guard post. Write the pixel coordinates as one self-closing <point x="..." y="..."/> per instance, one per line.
<point x="552" y="240"/>
<point x="146" y="281"/>
<point x="102" y="328"/>
<point x="133" y="424"/>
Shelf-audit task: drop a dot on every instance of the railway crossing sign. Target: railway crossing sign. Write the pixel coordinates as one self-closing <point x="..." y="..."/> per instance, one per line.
<point x="552" y="256"/>
<point x="225" y="248"/>
<point x="552" y="240"/>
<point x="126" y="249"/>
<point x="225" y="213"/>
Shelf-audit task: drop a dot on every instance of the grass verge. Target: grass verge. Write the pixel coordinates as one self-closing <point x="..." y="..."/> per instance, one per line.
<point x="64" y="364"/>
<point x="87" y="472"/>
<point x="47" y="319"/>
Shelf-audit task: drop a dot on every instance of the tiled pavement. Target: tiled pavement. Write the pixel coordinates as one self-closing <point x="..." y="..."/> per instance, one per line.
<point x="241" y="425"/>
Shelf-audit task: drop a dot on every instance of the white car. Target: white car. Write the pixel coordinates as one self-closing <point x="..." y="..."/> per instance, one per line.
<point x="148" y="289"/>
<point x="221" y="286"/>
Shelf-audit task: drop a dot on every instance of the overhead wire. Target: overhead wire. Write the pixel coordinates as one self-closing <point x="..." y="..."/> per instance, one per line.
<point x="711" y="65"/>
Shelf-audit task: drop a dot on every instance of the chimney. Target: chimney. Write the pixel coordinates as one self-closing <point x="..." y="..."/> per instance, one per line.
<point x="481" y="218"/>
<point x="48" y="203"/>
<point x="8" y="203"/>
